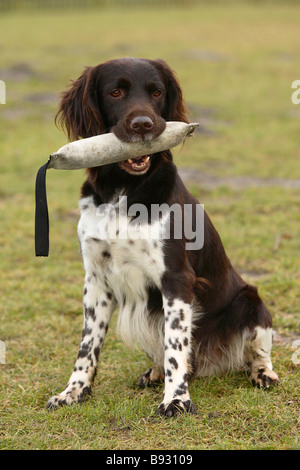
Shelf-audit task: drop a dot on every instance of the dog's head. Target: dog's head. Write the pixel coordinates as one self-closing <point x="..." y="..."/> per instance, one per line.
<point x="131" y="97"/>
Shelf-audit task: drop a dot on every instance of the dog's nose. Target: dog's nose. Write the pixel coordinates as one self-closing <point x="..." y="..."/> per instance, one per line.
<point x="141" y="124"/>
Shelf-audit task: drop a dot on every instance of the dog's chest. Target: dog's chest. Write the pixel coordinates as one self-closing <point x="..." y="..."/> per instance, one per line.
<point x="128" y="257"/>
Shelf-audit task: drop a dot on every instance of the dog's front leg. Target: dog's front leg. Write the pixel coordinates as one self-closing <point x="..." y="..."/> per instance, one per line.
<point x="178" y="326"/>
<point x="99" y="304"/>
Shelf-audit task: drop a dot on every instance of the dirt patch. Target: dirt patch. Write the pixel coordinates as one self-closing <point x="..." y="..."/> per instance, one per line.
<point x="204" y="180"/>
<point x="17" y="73"/>
<point x="42" y="98"/>
<point x="203" y="55"/>
<point x="209" y="123"/>
<point x="13" y="114"/>
<point x="283" y="339"/>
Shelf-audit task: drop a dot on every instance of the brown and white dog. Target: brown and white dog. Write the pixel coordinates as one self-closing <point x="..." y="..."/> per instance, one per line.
<point x="188" y="309"/>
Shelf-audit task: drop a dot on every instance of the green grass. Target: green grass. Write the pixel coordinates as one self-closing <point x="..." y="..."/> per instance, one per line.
<point x="236" y="66"/>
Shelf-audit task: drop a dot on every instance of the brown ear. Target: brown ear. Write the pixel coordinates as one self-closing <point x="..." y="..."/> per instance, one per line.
<point x="175" y="109"/>
<point x="79" y="112"/>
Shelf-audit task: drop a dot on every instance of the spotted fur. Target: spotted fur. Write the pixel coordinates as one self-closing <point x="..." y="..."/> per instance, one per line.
<point x="188" y="310"/>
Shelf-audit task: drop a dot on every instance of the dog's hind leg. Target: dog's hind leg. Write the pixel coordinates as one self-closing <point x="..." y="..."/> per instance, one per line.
<point x="99" y="304"/>
<point x="152" y="376"/>
<point x="257" y="357"/>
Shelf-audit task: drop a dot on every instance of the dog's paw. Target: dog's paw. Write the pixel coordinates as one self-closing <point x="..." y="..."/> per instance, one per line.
<point x="151" y="377"/>
<point x="264" y="378"/>
<point x="175" y="407"/>
<point x="69" y="397"/>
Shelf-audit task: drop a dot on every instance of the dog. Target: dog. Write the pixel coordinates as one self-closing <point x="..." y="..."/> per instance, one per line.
<point x="188" y="309"/>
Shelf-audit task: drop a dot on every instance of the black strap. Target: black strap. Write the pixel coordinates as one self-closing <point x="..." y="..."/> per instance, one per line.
<point x="41" y="213"/>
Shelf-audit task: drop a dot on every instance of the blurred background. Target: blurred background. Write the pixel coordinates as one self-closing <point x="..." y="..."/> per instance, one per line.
<point x="236" y="61"/>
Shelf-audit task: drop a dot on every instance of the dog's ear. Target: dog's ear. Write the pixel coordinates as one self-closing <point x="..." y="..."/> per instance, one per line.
<point x="175" y="109"/>
<point x="79" y="112"/>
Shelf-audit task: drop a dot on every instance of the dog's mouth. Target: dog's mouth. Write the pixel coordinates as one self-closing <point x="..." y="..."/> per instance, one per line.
<point x="137" y="166"/>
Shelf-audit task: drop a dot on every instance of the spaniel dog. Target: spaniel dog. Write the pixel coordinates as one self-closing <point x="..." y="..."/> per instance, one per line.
<point x="183" y="303"/>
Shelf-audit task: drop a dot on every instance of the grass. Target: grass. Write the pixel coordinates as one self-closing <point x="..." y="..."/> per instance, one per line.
<point x="236" y="66"/>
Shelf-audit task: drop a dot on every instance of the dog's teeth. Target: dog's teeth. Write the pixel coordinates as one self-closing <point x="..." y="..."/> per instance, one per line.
<point x="130" y="160"/>
<point x="141" y="165"/>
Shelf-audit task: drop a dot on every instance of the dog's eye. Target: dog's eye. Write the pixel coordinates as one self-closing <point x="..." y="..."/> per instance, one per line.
<point x="157" y="93"/>
<point x="116" y="93"/>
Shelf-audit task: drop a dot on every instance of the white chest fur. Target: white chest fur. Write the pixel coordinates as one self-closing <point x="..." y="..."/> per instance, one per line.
<point x="126" y="257"/>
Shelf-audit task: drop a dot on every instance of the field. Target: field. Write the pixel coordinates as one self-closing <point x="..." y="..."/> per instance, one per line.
<point x="236" y="66"/>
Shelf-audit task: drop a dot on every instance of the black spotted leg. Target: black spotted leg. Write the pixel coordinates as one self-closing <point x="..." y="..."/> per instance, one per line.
<point x="99" y="304"/>
<point x="178" y="324"/>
